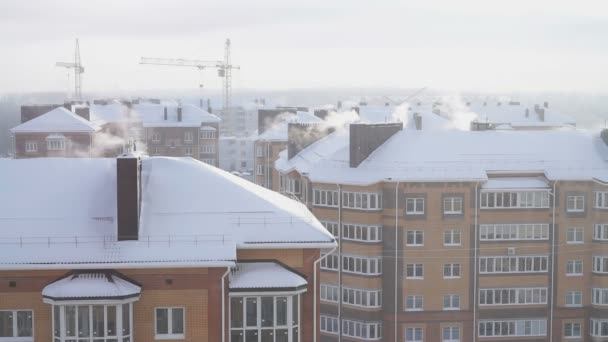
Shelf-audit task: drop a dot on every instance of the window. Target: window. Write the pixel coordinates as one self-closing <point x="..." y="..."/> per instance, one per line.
<point x="188" y="137"/>
<point x="103" y="323"/>
<point x="210" y="161"/>
<point x="363" y="298"/>
<point x="601" y="199"/>
<point x="207" y="134"/>
<point x="600" y="232"/>
<point x="451" y="302"/>
<point x="413" y="334"/>
<point x="513" y="264"/>
<point x="156" y="137"/>
<point x="523" y="327"/>
<point x="414" y="238"/>
<point x="169" y="323"/>
<point x="331" y="227"/>
<point x="575" y="204"/>
<point x="414" y="303"/>
<point x="207" y="148"/>
<point x="361" y="200"/>
<point x="414" y="206"/>
<point x="362" y="330"/>
<point x="519" y="231"/>
<point x="259" y="151"/>
<point x="329" y="324"/>
<point x="329" y="263"/>
<point x="600" y="264"/>
<point x="513" y="296"/>
<point x="330" y="293"/>
<point x="575" y="235"/>
<point x="452" y="205"/>
<point x="16" y="325"/>
<point x="572" y="330"/>
<point x="451" y="271"/>
<point x="515" y="200"/>
<point x="574" y="267"/>
<point x="364" y="233"/>
<point x="414" y="271"/>
<point x="599" y="296"/>
<point x="55" y="144"/>
<point x="451" y="237"/>
<point x="574" y="298"/>
<point x="290" y="185"/>
<point x="325" y="198"/>
<point x="599" y="327"/>
<point x="451" y="334"/>
<point x="259" y="170"/>
<point x="31" y="146"/>
<point x="188" y="150"/>
<point x="361" y="265"/>
<point x="265" y="317"/>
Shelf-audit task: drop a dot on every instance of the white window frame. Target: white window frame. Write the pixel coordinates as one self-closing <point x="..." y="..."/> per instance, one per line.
<point x="514" y="199"/>
<point x="259" y="170"/>
<point x="361" y="232"/>
<point x="15" y="327"/>
<point x="330" y="263"/>
<point x="600" y="264"/>
<point x="414" y="238"/>
<point x="452" y="237"/>
<point x="600" y="199"/>
<point x="206" y="134"/>
<point x="292" y="325"/>
<point x="31" y="146"/>
<point x="259" y="151"/>
<point x="188" y="137"/>
<point x="453" y="302"/>
<point x="362" y="297"/>
<point x="600" y="232"/>
<point x="329" y="293"/>
<point x="575" y="235"/>
<point x="574" y="298"/>
<point x="452" y="332"/>
<point x="329" y="324"/>
<point x="325" y="198"/>
<point x="513" y="327"/>
<point x="511" y="264"/>
<point x="188" y="150"/>
<point x="599" y="296"/>
<point x="414" y="303"/>
<point x="451" y="205"/>
<point x="357" y="264"/>
<point x="514" y="231"/>
<point x="362" y="330"/>
<point x="596" y="327"/>
<point x="570" y="326"/>
<point x="362" y="200"/>
<point x="414" y="206"/>
<point x="417" y="271"/>
<point x="574" y="268"/>
<point x="55" y="144"/>
<point x="170" y="335"/>
<point x="156" y="137"/>
<point x="575" y="203"/>
<point x="207" y="148"/>
<point x="119" y="305"/>
<point x="416" y="333"/>
<point x="453" y="271"/>
<point x="332" y="227"/>
<point x="210" y="161"/>
<point x="513" y="296"/>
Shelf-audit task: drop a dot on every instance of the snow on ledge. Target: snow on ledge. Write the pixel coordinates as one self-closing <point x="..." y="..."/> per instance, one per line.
<point x="95" y="285"/>
<point x="267" y="276"/>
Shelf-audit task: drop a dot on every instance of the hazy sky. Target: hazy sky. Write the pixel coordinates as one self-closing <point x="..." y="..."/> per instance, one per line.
<point x="453" y="44"/>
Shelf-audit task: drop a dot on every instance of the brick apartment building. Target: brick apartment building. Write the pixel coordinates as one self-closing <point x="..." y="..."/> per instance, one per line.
<point x="458" y="235"/>
<point x="152" y="248"/>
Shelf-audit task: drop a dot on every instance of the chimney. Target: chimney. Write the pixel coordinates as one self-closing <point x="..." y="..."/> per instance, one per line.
<point x="302" y="135"/>
<point x="165" y="114"/>
<point x="321" y="113"/>
<point x="546" y="104"/>
<point x="128" y="196"/>
<point x="356" y="109"/>
<point x="209" y="106"/>
<point x="604" y="135"/>
<point x="67" y="105"/>
<point x="201" y="103"/>
<point x="481" y="126"/>
<point x="267" y="117"/>
<point x="527" y="112"/>
<point x="339" y="104"/>
<point x="418" y="121"/>
<point x="540" y="112"/>
<point x="179" y="113"/>
<point x="366" y="138"/>
<point x="83" y="112"/>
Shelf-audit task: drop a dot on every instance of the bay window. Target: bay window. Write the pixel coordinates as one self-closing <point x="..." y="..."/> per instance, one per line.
<point x="265" y="318"/>
<point x="96" y="323"/>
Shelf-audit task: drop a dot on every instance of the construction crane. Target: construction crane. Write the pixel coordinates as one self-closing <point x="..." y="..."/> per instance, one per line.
<point x="78" y="71"/>
<point x="224" y="69"/>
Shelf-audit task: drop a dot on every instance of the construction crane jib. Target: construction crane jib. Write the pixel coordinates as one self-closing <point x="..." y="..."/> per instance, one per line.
<point x="78" y="71"/>
<point x="224" y="69"/>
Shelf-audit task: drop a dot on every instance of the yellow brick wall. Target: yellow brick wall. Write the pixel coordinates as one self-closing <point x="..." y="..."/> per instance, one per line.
<point x="31" y="301"/>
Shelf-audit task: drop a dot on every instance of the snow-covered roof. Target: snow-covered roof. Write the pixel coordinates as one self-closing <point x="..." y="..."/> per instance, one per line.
<point x="57" y="120"/>
<point x="91" y="285"/>
<point x="261" y="276"/>
<point x="192" y="214"/>
<point x="278" y="130"/>
<point x="453" y="155"/>
<point x="515" y="183"/>
<point x="113" y="112"/>
<point x="152" y="115"/>
<point x="517" y="114"/>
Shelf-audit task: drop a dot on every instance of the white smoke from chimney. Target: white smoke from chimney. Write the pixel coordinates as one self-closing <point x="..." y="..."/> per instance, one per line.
<point x="457" y="112"/>
<point x="401" y="113"/>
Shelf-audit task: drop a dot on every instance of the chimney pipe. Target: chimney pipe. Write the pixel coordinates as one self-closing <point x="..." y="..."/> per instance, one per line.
<point x="546" y="104"/>
<point x="128" y="196"/>
<point x="179" y="113"/>
<point x="209" y="106"/>
<point x="418" y="121"/>
<point x="165" y="114"/>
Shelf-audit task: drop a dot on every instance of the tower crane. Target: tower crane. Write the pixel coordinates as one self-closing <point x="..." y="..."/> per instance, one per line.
<point x="78" y="71"/>
<point x="224" y="69"/>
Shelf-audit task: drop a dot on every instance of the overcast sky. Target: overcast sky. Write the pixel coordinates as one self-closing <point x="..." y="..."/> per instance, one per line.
<point x="482" y="45"/>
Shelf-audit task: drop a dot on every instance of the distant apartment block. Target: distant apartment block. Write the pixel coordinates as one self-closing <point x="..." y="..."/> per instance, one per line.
<point x="457" y="235"/>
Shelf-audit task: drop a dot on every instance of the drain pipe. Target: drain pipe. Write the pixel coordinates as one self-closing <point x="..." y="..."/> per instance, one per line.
<point x="552" y="266"/>
<point x="475" y="330"/>
<point x="224" y="304"/>
<point x="314" y="306"/>
<point x="396" y="254"/>
<point x="339" y="262"/>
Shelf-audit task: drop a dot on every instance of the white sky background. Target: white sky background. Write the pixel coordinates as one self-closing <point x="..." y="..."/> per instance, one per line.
<point x="479" y="45"/>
